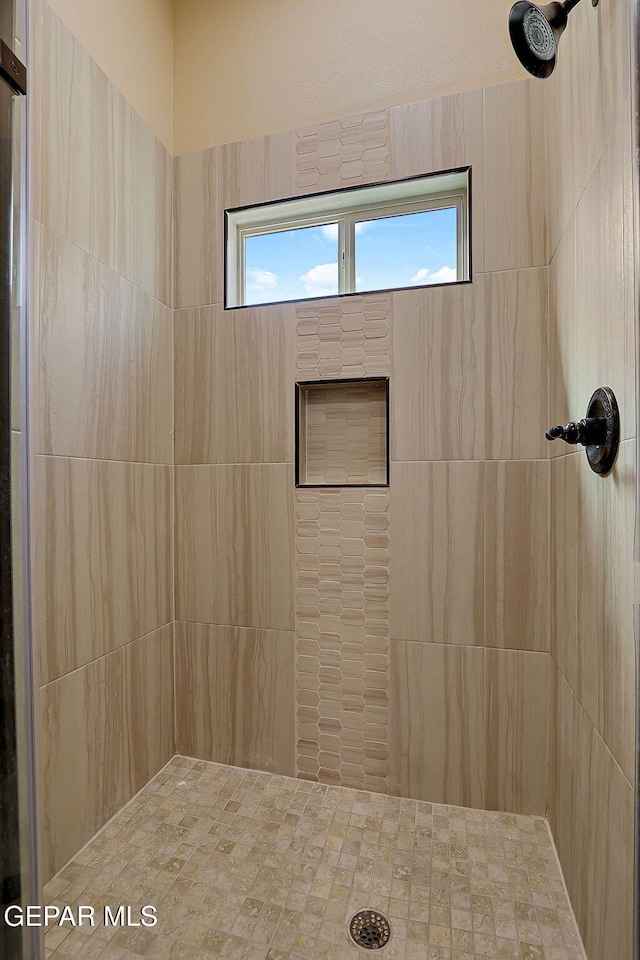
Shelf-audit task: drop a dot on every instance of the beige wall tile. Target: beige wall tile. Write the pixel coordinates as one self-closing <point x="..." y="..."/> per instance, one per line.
<point x="438" y="381"/>
<point x="516" y="365"/>
<point x="437" y="723"/>
<point x="144" y="192"/>
<point x="515" y="176"/>
<point x="436" y="543"/>
<point x="617" y="666"/>
<point x="565" y="395"/>
<point x="235" y="691"/>
<point x="195" y="385"/>
<point x="443" y="134"/>
<point x="148" y="707"/>
<point x="102" y="564"/>
<point x="584" y="98"/>
<point x="255" y="545"/>
<point x="255" y="377"/>
<point x="196" y="553"/>
<point x="516" y="555"/>
<point x="593" y="590"/>
<point x="565" y="548"/>
<point x="198" y="230"/>
<point x="605" y="310"/>
<point x="82" y="756"/>
<point x="238" y="569"/>
<point x="256" y="171"/>
<point x="106" y="182"/>
<point x="102" y="358"/>
<point x="77" y="189"/>
<point x="106" y="729"/>
<point x="517" y="705"/>
<point x="591" y="811"/>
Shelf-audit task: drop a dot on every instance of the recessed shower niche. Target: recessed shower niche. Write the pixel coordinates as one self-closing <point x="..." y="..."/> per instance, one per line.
<point x="342" y="433"/>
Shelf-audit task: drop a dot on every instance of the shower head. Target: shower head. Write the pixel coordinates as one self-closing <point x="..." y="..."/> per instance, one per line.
<point x="536" y="31"/>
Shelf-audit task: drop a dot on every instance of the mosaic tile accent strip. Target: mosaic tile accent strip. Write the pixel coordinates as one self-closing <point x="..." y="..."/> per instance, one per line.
<point x="343" y="153"/>
<point x="346" y="337"/>
<point x="342" y="636"/>
<point x="250" y="866"/>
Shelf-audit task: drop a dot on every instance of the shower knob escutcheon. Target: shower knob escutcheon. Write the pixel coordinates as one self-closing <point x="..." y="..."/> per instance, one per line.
<point x="598" y="432"/>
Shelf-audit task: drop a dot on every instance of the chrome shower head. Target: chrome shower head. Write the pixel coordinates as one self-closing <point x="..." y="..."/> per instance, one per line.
<point x="536" y="31"/>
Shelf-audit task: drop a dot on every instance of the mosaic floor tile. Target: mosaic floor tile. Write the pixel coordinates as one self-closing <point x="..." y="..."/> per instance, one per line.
<point x="243" y="865"/>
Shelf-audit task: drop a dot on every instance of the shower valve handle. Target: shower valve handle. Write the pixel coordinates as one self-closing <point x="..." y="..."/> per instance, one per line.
<point x="589" y="432"/>
<point x="599" y="432"/>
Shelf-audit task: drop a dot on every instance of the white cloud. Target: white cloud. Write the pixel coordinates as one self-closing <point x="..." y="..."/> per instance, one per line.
<point x="322" y="280"/>
<point x="443" y="275"/>
<point x="261" y="285"/>
<point x="330" y="230"/>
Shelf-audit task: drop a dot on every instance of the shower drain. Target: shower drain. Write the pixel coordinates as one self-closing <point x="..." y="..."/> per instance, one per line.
<point x="369" y="929"/>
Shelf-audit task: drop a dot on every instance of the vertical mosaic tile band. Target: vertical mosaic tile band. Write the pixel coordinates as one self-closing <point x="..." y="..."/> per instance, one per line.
<point x="343" y="153"/>
<point x="342" y="636"/>
<point x="349" y="337"/>
<point x="342" y="573"/>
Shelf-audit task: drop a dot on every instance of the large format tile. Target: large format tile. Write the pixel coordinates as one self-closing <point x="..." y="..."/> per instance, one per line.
<point x="584" y="99"/>
<point x="564" y="548"/>
<point x="149" y="736"/>
<point x="516" y="364"/>
<point x="102" y="357"/>
<point x="516" y="554"/>
<point x="194" y="385"/>
<point x="566" y="397"/>
<point x="516" y="725"/>
<point x="438" y="379"/>
<point x="255" y="375"/>
<point x="605" y="306"/>
<point x="198" y="230"/>
<point x="617" y="661"/>
<point x="593" y="592"/>
<point x="105" y="181"/>
<point x="443" y="134"/>
<point x="437" y="723"/>
<point x="106" y="729"/>
<point x="515" y="176"/>
<point x="102" y="574"/>
<point x="234" y="545"/>
<point x="436" y="545"/>
<point x="235" y="696"/>
<point x="591" y="811"/>
<point x="256" y="171"/>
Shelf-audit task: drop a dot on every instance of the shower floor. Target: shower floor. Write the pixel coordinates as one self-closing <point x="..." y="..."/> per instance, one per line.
<point x="250" y="866"/>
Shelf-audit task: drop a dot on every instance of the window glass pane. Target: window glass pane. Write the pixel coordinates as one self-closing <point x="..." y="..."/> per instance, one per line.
<point x="291" y="264"/>
<point x="407" y="250"/>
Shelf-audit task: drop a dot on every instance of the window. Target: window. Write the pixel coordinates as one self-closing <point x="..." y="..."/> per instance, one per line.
<point x="410" y="233"/>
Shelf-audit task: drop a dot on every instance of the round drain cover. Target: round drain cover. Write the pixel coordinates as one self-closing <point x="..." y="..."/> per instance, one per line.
<point x="369" y="929"/>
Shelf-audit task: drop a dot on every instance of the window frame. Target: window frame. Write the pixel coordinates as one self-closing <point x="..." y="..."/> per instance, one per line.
<point x="396" y="198"/>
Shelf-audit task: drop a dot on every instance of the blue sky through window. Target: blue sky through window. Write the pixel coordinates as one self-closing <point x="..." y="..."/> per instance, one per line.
<point x="401" y="251"/>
